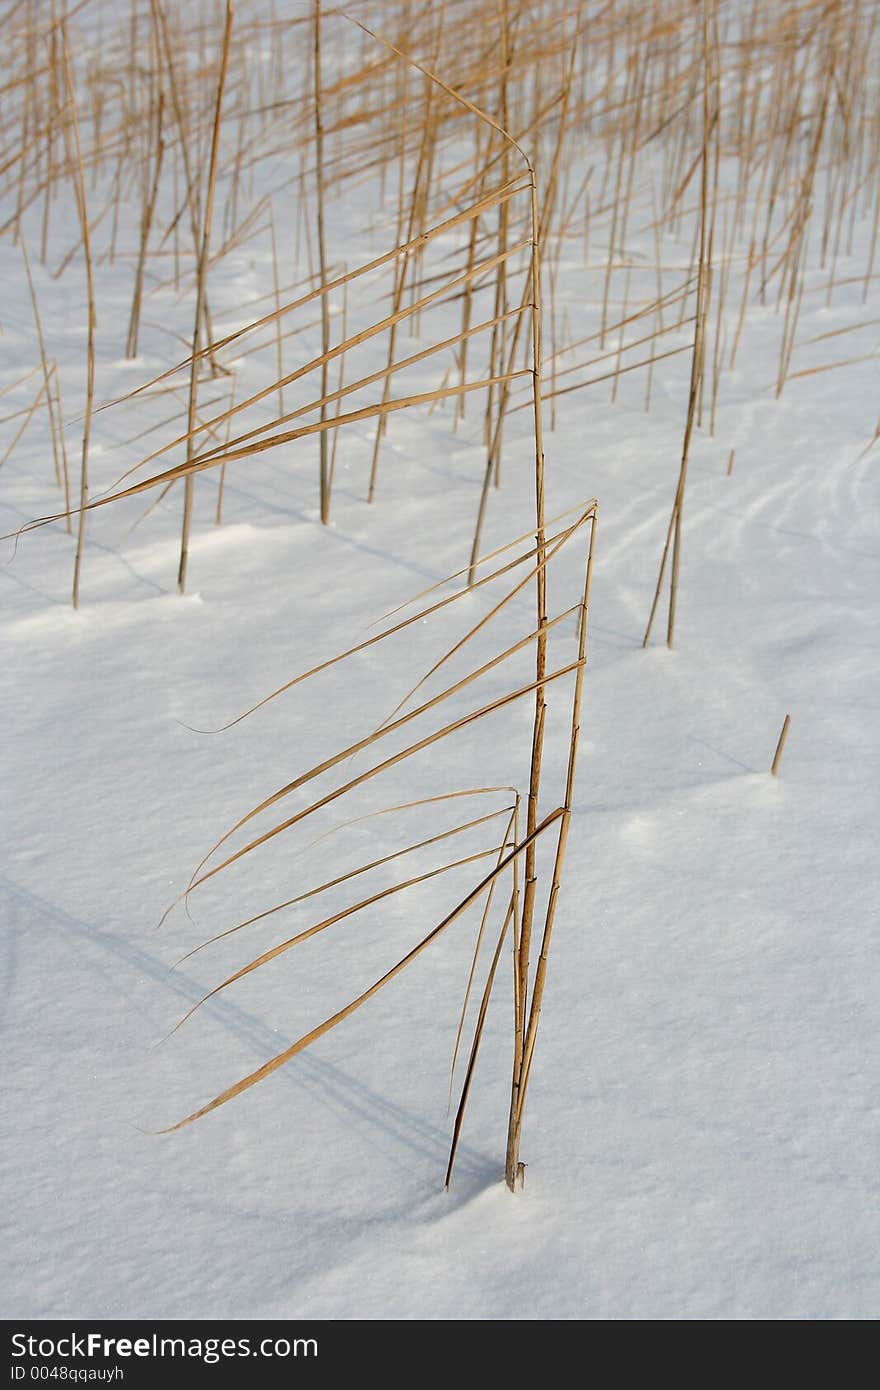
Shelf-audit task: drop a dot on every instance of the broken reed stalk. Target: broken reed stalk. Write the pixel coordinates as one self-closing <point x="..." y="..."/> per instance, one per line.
<point x="697" y="359"/>
<point x="777" y="756"/>
<point x="201" y="277"/>
<point x="324" y="465"/>
<point x="79" y="184"/>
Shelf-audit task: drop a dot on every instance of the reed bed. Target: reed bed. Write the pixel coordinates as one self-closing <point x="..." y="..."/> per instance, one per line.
<point x="495" y="152"/>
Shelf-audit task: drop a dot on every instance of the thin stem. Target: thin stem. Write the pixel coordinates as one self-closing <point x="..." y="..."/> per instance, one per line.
<point x="202" y="275"/>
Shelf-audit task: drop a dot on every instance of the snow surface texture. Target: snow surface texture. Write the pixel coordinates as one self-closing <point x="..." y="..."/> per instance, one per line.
<point x="703" y="1123"/>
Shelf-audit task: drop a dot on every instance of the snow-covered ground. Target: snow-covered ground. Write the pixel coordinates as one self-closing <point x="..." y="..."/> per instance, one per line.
<point x="703" y="1122"/>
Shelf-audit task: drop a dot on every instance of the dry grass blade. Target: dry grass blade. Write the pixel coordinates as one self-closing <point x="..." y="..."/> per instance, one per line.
<point x="483" y="560"/>
<point x="199" y="464"/>
<point x="321" y="403"/>
<point x="267" y="320"/>
<point x="346" y="877"/>
<point x="332" y="921"/>
<point x="478" y="1033"/>
<point x="554" y="546"/>
<point x="417" y="617"/>
<point x="328" y="763"/>
<point x="315" y="1033"/>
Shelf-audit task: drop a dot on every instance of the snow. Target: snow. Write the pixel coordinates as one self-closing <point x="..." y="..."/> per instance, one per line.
<point x="703" y="1120"/>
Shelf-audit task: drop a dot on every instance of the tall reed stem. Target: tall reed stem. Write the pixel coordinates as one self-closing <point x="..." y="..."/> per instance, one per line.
<point x="520" y="1070"/>
<point x="82" y="209"/>
<point x="322" y="268"/>
<point x="697" y="362"/>
<point x="201" y="277"/>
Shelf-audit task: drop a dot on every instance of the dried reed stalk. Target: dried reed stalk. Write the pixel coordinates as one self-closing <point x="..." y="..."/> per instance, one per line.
<point x="324" y="463"/>
<point x="777" y="756"/>
<point x="82" y="210"/>
<point x="201" y="278"/>
<point x="697" y="360"/>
